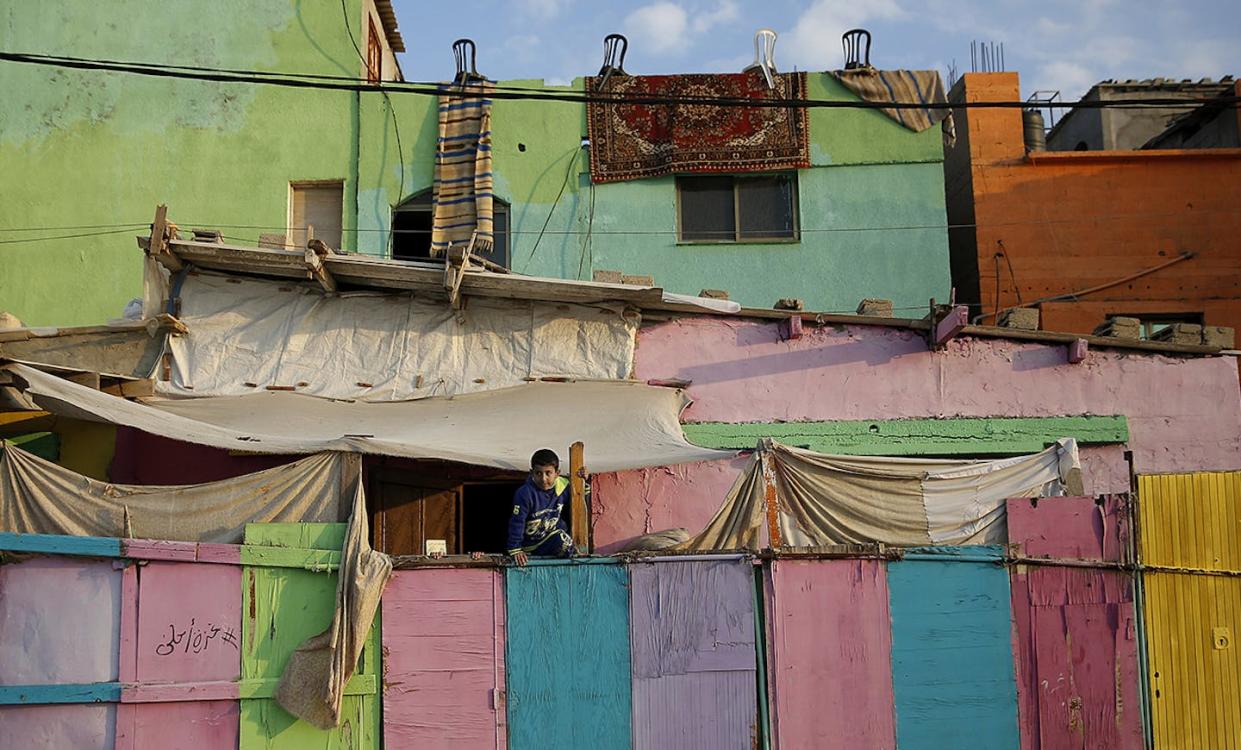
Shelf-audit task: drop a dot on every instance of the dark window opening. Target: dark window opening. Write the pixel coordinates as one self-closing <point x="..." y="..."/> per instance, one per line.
<point x="411" y="230"/>
<point x="374" y="53"/>
<point x="737" y="209"/>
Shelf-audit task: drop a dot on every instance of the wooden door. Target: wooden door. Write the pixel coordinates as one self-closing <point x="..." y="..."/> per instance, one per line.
<point x="405" y="513"/>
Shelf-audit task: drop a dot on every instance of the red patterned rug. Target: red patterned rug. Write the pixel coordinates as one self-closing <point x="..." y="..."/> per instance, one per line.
<point x="629" y="141"/>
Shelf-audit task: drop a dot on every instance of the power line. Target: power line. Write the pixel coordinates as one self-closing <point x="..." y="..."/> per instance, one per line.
<point x="341" y="83"/>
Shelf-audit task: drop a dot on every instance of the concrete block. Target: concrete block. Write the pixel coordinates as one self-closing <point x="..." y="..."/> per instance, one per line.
<point x="791" y="328"/>
<point x="876" y="308"/>
<point x="1120" y="327"/>
<point x="638" y="280"/>
<point x="1078" y="351"/>
<point x="1221" y="336"/>
<point x="1024" y="318"/>
<point x="713" y="294"/>
<point x="607" y="277"/>
<point x="789" y="303"/>
<point x="1180" y="333"/>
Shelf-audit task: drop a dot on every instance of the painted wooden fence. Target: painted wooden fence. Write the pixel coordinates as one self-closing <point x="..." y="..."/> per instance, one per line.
<point x="829" y="653"/>
<point x="443" y="672"/>
<point x="568" y="655"/>
<point x="952" y="658"/>
<point x="693" y="647"/>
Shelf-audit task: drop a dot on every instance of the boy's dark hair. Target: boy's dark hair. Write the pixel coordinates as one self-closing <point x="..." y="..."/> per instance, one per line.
<point x="544" y="457"/>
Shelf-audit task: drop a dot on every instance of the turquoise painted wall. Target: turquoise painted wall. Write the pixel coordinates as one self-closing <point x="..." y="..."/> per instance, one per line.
<point x="100" y="149"/>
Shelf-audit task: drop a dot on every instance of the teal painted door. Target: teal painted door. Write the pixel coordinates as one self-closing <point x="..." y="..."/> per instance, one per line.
<point x="568" y="656"/>
<point x="952" y="656"/>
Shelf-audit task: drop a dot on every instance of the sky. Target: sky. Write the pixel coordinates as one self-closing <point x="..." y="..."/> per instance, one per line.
<point x="1061" y="45"/>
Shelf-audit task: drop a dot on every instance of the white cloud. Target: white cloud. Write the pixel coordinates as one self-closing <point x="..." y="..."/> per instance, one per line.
<point x="814" y="42"/>
<point x="1071" y="79"/>
<point x="659" y="27"/>
<point x="543" y="9"/>
<point x="723" y="12"/>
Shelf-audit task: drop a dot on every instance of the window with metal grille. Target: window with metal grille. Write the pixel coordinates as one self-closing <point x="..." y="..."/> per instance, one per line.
<point x="726" y="208"/>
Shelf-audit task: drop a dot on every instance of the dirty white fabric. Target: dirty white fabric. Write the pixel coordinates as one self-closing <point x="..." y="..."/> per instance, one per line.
<point x="374" y="346"/>
<point x="313" y="683"/>
<point x="624" y="425"/>
<point x="825" y="499"/>
<point x="39" y="497"/>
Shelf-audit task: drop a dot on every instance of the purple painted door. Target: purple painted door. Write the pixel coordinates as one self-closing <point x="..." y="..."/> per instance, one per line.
<point x="181" y="657"/>
<point x="692" y="644"/>
<point x="1077" y="668"/>
<point x="443" y="673"/>
<point x="830" y="654"/>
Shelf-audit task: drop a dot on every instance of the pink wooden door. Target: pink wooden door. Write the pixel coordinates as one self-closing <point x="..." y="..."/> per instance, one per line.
<point x="181" y="657"/>
<point x="443" y="638"/>
<point x="830" y="654"/>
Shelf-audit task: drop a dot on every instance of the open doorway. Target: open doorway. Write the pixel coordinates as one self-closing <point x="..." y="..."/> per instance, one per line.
<point x="411" y="230"/>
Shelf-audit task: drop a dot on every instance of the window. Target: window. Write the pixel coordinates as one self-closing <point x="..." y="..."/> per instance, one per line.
<point x="374" y="53"/>
<point x="316" y="207"/>
<point x="411" y="230"/>
<point x="737" y="209"/>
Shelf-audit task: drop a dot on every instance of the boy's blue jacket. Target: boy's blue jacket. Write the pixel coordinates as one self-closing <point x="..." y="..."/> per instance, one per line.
<point x="536" y="514"/>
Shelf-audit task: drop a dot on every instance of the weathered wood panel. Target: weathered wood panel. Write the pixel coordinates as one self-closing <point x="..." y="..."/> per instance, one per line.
<point x="282" y="607"/>
<point x="443" y="640"/>
<point x="694" y="682"/>
<point x="1077" y="666"/>
<point x="568" y="656"/>
<point x="57" y="727"/>
<point x="830" y="650"/>
<point x="1070" y="528"/>
<point x="952" y="659"/>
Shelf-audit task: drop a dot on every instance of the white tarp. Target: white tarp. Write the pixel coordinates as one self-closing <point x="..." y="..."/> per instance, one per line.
<point x="825" y="499"/>
<point x="247" y="335"/>
<point x="625" y="425"/>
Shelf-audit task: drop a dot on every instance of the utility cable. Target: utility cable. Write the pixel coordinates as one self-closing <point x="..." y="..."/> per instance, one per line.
<point x="552" y="210"/>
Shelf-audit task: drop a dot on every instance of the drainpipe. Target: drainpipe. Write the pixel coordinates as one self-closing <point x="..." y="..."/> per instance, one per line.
<point x="355" y="149"/>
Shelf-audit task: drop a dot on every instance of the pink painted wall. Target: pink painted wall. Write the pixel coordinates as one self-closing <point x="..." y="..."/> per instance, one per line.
<point x="1074" y="528"/>
<point x="52" y="727"/>
<point x="1184" y="413"/>
<point x="1076" y="659"/>
<point x="443" y="641"/>
<point x="830" y="654"/>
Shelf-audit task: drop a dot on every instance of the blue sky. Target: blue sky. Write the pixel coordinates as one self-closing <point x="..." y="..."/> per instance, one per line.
<point x="1058" y="44"/>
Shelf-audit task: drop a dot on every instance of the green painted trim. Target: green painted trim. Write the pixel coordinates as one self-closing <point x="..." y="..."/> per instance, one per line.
<point x="359" y="684"/>
<point x="45" y="445"/>
<point x="916" y="437"/>
<point x="317" y="560"/>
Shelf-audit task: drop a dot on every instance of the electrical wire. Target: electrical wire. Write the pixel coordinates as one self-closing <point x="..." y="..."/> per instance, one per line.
<point x="340" y="83"/>
<point x="67" y="236"/>
<point x="552" y="210"/>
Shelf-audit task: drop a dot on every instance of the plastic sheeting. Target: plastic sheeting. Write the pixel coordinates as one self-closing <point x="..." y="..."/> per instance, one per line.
<point x="246" y="335"/>
<point x="39" y="497"/>
<point x="824" y="499"/>
<point x="625" y="425"/>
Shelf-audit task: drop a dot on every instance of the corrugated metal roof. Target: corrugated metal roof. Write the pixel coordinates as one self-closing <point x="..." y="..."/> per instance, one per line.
<point x="388" y="17"/>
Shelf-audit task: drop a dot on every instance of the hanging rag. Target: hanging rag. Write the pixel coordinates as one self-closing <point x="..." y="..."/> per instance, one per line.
<point x="903" y="87"/>
<point x="462" y="190"/>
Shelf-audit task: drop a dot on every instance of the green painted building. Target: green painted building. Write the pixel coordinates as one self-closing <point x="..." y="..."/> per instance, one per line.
<point x="91" y="153"/>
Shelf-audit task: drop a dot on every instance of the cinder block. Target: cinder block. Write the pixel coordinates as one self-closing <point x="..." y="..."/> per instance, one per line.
<point x="1121" y="328"/>
<point x="1025" y="318"/>
<point x="875" y="308"/>
<point x="789" y="303"/>
<point x="1221" y="336"/>
<point x="713" y="294"/>
<point x="638" y="280"/>
<point x="607" y="277"/>
<point x="1180" y="333"/>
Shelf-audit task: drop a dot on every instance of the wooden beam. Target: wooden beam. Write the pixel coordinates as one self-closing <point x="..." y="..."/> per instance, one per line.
<point x="315" y="251"/>
<point x="579" y="514"/>
<point x="158" y="247"/>
<point x="1078" y="350"/>
<point x="951" y="324"/>
<point x="88" y="379"/>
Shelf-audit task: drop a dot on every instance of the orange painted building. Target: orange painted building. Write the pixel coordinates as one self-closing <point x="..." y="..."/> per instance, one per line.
<point x="1066" y="226"/>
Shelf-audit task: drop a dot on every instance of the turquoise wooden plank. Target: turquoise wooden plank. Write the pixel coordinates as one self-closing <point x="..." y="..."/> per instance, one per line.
<point x="568" y="657"/>
<point x="60" y="544"/>
<point x="952" y="660"/>
<point x="89" y="692"/>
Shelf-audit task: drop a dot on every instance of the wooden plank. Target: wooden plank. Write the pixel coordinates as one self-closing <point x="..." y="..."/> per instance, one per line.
<point x="89" y="692"/>
<point x="578" y="512"/>
<point x="89" y="379"/>
<point x="58" y="544"/>
<point x="951" y="324"/>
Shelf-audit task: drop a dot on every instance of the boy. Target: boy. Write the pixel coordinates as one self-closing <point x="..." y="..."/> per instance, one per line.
<point x="536" y="527"/>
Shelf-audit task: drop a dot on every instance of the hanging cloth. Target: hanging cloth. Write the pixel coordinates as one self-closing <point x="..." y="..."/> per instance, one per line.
<point x="462" y="190"/>
<point x="903" y="87"/>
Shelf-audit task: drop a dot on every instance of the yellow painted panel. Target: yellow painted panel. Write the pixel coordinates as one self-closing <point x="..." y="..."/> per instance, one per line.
<point x="1191" y="520"/>
<point x="1192" y="626"/>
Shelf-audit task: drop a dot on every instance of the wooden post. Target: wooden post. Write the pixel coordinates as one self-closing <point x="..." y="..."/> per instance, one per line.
<point x="579" y="514"/>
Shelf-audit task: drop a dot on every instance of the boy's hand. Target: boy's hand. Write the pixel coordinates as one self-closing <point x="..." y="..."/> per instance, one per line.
<point x="520" y="558"/>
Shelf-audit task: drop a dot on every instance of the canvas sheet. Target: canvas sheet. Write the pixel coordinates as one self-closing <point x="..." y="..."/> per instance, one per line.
<point x="624" y="425"/>
<point x="39" y="497"/>
<point x="825" y="499"/>
<point x="247" y="336"/>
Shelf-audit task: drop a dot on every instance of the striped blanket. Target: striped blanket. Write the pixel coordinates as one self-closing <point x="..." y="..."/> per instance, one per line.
<point x="903" y="87"/>
<point x="462" y="190"/>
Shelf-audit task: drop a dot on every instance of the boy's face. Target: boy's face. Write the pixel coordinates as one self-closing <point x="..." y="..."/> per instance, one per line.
<point x="544" y="476"/>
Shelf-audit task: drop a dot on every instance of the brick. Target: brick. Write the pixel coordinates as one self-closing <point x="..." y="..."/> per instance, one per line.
<point x="1221" y="336"/>
<point x="876" y="308"/>
<point x="1024" y="318"/>
<point x="713" y="294"/>
<point x="607" y="277"/>
<point x="638" y="280"/>
<point x="789" y="303"/>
